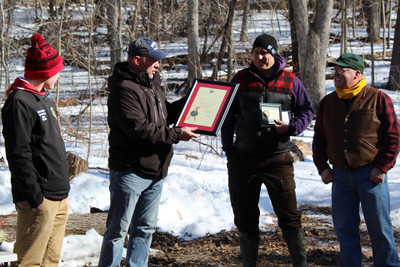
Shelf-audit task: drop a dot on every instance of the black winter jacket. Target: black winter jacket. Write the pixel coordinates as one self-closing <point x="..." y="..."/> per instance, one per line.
<point x="138" y="116"/>
<point x="34" y="148"/>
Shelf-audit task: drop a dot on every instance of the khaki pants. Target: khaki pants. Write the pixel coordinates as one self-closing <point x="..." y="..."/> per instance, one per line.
<point x="40" y="235"/>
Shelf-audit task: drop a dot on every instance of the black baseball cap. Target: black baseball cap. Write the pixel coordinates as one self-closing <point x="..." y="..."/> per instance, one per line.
<point x="145" y="47"/>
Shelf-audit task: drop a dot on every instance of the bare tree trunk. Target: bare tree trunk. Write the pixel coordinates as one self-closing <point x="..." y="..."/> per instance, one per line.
<point x="171" y="11"/>
<point x="245" y="19"/>
<point x="389" y="27"/>
<point x="313" y="45"/>
<point x="164" y="15"/>
<point x="52" y="7"/>
<point x="155" y="19"/>
<point x="373" y="18"/>
<point x="90" y="26"/>
<point x="7" y="21"/>
<point x="207" y="30"/>
<point x="114" y="8"/>
<point x="39" y="10"/>
<point x="135" y="20"/>
<point x="372" y="65"/>
<point x="225" y="38"/>
<point x="394" y="77"/>
<point x="59" y="36"/>
<point x="42" y="8"/>
<point x="384" y="28"/>
<point x="295" y="43"/>
<point x="343" y="40"/>
<point x="274" y="8"/>
<point x="353" y="19"/>
<point x="231" y="54"/>
<point x="3" y="48"/>
<point x="146" y="17"/>
<point x="151" y="18"/>
<point x="194" y="67"/>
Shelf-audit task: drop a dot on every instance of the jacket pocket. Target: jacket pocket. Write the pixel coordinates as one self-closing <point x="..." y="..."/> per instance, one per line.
<point x="288" y="183"/>
<point x="150" y="163"/>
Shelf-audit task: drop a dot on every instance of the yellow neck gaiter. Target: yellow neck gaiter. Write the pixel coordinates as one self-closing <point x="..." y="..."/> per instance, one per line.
<point x="353" y="91"/>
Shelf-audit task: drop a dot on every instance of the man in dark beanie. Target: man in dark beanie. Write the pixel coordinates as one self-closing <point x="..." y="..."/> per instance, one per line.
<point x="268" y="43"/>
<point x="271" y="105"/>
<point x="36" y="158"/>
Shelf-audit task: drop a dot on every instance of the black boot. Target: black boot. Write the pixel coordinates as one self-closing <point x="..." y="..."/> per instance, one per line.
<point x="297" y="246"/>
<point x="248" y="250"/>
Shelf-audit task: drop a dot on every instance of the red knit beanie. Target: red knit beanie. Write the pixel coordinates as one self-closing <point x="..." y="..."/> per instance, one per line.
<point x="42" y="60"/>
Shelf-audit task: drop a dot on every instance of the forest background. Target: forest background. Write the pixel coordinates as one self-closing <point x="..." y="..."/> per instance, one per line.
<point x="204" y="39"/>
<point x="92" y="35"/>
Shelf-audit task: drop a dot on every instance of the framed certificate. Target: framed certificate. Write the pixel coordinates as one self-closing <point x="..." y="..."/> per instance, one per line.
<point x="270" y="112"/>
<point x="207" y="106"/>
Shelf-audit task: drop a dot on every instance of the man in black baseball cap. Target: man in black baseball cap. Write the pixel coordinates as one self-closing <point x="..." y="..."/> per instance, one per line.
<point x="139" y="154"/>
<point x="145" y="47"/>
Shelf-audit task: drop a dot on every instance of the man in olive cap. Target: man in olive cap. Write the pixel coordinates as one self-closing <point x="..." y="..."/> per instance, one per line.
<point x="357" y="131"/>
<point x="260" y="153"/>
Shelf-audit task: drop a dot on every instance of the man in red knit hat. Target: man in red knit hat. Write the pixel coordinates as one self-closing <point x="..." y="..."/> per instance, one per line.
<point x="36" y="157"/>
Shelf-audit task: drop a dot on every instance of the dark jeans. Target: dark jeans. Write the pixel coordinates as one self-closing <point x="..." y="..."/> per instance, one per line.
<point x="247" y="173"/>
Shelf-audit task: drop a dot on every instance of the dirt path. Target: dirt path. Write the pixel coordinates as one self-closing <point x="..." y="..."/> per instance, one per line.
<point x="222" y="249"/>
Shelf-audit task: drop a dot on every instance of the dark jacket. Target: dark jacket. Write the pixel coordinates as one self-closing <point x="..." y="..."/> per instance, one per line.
<point x="244" y="117"/>
<point x="138" y="116"/>
<point x="34" y="146"/>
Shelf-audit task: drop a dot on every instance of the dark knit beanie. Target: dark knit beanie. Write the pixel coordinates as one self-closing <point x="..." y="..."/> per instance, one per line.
<point x="268" y="43"/>
<point x="42" y="60"/>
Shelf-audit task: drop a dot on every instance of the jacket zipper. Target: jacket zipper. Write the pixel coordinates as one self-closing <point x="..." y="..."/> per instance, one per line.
<point x="155" y="100"/>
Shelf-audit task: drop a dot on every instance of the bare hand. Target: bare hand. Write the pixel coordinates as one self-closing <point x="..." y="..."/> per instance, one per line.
<point x="326" y="176"/>
<point x="188" y="133"/>
<point x="281" y="127"/>
<point x="37" y="208"/>
<point x="377" y="176"/>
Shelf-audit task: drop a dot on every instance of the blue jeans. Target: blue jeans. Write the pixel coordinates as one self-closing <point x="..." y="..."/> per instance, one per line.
<point x="350" y="188"/>
<point x="134" y="207"/>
